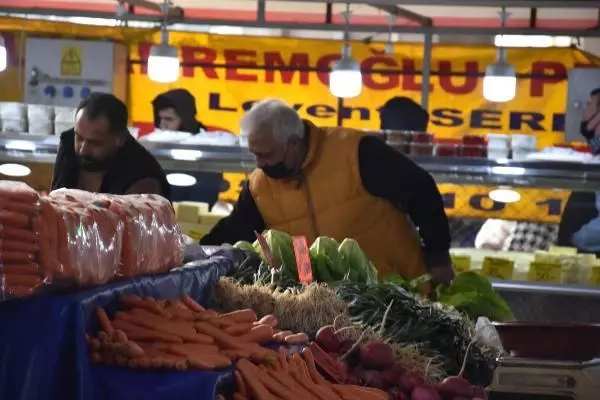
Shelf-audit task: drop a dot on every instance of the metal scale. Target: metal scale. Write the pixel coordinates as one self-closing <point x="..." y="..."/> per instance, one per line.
<point x="529" y="379"/>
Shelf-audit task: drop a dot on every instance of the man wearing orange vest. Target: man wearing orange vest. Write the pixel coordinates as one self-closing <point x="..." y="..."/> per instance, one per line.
<point x="340" y="183"/>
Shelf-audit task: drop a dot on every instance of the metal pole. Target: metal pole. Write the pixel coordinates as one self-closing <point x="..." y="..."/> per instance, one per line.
<point x="425" y="87"/>
<point x="340" y="117"/>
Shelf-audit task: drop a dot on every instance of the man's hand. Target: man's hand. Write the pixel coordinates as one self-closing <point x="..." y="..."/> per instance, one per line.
<point x="442" y="274"/>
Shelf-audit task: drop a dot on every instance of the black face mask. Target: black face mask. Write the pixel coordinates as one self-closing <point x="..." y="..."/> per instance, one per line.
<point x="92" y="165"/>
<point x="278" y="171"/>
<point x="585" y="132"/>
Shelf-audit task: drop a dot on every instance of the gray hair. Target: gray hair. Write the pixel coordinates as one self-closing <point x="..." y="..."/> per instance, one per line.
<point x="274" y="116"/>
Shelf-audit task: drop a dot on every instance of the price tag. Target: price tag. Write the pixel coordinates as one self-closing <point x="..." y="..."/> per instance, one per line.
<point x="302" y="259"/>
<point x="497" y="268"/>
<point x="544" y="272"/>
<point x="594" y="278"/>
<point x="266" y="250"/>
<point x="461" y="263"/>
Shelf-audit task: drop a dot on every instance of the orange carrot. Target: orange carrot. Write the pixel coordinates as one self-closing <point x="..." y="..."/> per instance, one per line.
<point x="236" y="354"/>
<point x="260" y="334"/>
<point x="269" y="319"/>
<point x="255" y="387"/>
<point x="273" y="386"/>
<point x="119" y="336"/>
<point x="221" y="337"/>
<point x="156" y="307"/>
<point x="239" y="383"/>
<point x="283" y="358"/>
<point x="105" y="323"/>
<point x="186" y="348"/>
<point x="96" y="357"/>
<point x="246" y="315"/>
<point x="280" y="337"/>
<point x="142" y="334"/>
<point x="312" y="368"/>
<point x="192" y="304"/>
<point x="239" y="329"/>
<point x="297" y="338"/>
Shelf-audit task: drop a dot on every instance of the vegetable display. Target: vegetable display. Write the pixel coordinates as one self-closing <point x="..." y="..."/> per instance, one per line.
<point x="73" y="237"/>
<point x="181" y="334"/>
<point x="294" y="377"/>
<point x="331" y="261"/>
<point x="440" y="332"/>
<point x="469" y="293"/>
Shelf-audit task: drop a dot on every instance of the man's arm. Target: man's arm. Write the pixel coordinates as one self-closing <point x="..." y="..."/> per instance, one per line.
<point x="388" y="174"/>
<point x="240" y="224"/>
<point x="146" y="186"/>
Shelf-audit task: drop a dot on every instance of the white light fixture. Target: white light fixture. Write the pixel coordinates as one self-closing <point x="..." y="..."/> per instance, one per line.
<point x="181" y="180"/>
<point x="20" y="145"/>
<point x="163" y="62"/>
<point x="515" y="171"/>
<point x="14" y="170"/>
<point x="345" y="79"/>
<point x="186" y="155"/>
<point x="504" y="195"/>
<point x="3" y="54"/>
<point x="500" y="81"/>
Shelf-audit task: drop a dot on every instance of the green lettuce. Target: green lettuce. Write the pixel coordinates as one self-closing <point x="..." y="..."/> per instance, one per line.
<point x="243" y="245"/>
<point x="326" y="260"/>
<point x="474" y="295"/>
<point x="282" y="249"/>
<point x="358" y="267"/>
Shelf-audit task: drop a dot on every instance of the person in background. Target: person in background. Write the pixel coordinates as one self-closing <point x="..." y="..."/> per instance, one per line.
<point x="403" y="114"/>
<point x="100" y="155"/>
<point x="175" y="110"/>
<point x="580" y="223"/>
<point x="340" y="183"/>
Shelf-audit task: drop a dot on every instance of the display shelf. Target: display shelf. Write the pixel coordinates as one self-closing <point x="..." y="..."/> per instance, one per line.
<point x="205" y="158"/>
<point x="547" y="288"/>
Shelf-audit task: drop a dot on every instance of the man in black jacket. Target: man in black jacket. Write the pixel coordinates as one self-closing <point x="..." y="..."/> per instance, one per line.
<point x="175" y="110"/>
<point x="100" y="155"/>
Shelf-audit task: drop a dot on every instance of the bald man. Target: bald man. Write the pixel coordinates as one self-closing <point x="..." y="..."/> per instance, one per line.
<point x="340" y="183"/>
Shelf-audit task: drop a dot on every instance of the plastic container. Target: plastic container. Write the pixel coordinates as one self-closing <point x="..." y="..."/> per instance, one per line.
<point x="473" y="146"/>
<point x="550" y="341"/>
<point x="523" y="141"/>
<point x="400" y="140"/>
<point x="521" y="153"/>
<point x="421" y="144"/>
<point x="497" y="153"/>
<point x="444" y="149"/>
<point x="498" y="140"/>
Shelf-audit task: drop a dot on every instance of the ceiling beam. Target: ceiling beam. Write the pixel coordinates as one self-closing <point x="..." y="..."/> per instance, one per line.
<point x="405" y="14"/>
<point x="173" y="12"/>
<point x="191" y="24"/>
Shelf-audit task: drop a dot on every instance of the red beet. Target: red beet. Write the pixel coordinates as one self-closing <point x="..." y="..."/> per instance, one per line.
<point x="351" y="358"/>
<point x="425" y="393"/>
<point x="457" y="386"/>
<point x="409" y="380"/>
<point x="327" y="340"/>
<point x="345" y="346"/>
<point x="377" y="355"/>
<point x="397" y="394"/>
<point x="478" y="392"/>
<point x="368" y="377"/>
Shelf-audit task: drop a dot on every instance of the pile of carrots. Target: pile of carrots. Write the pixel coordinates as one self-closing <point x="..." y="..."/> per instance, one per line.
<point x="75" y="237"/>
<point x="294" y="377"/>
<point x="181" y="334"/>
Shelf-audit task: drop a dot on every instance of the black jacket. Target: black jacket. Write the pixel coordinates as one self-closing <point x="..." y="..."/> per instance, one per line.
<point x="208" y="185"/>
<point x="385" y="173"/>
<point x="132" y="164"/>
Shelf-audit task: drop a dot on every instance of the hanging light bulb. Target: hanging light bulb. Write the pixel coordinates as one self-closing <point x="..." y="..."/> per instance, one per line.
<point x="345" y="79"/>
<point x="3" y="54"/>
<point x="500" y="81"/>
<point x="163" y="62"/>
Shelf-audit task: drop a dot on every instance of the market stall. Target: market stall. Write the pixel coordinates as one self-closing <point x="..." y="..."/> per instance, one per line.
<point x="543" y="184"/>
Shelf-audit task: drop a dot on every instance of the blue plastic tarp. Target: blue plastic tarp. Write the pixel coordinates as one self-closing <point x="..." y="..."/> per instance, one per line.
<point x="43" y="353"/>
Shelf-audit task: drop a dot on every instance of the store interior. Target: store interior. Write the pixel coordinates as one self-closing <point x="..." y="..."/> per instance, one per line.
<point x="108" y="294"/>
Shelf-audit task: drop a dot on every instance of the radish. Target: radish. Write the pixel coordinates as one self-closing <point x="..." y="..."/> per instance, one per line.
<point x="457" y="385"/>
<point x="377" y="355"/>
<point x="478" y="392"/>
<point x="410" y="380"/>
<point x="425" y="393"/>
<point x="327" y="340"/>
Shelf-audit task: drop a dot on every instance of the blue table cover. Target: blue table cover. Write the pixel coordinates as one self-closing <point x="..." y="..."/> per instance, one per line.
<point x="43" y="353"/>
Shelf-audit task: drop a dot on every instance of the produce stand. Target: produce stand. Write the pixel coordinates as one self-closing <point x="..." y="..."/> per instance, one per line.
<point x="44" y="354"/>
<point x="557" y="301"/>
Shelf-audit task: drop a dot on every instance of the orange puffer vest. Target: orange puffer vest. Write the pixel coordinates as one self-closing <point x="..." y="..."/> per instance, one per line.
<point x="330" y="200"/>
